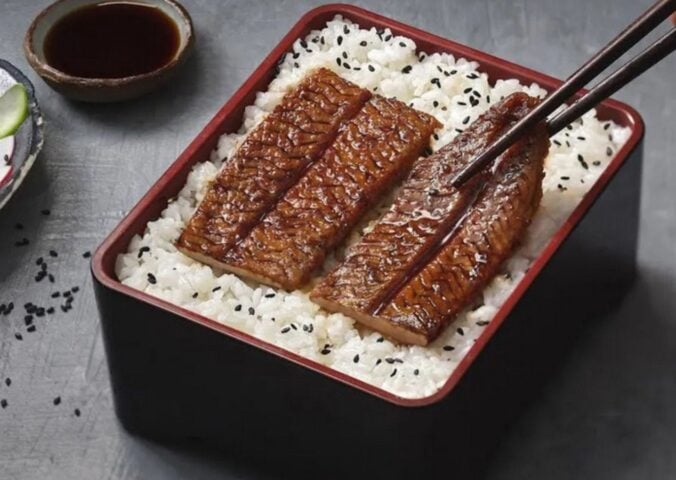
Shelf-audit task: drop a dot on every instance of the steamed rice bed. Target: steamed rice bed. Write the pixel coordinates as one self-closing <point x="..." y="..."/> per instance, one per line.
<point x="456" y="93"/>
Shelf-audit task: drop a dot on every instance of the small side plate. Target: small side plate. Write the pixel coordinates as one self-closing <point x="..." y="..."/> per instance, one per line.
<point x="23" y="147"/>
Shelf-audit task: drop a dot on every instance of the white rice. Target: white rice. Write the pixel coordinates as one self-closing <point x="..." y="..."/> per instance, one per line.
<point x="291" y="320"/>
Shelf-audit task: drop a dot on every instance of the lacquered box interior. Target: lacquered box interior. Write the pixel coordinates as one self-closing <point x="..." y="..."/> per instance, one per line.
<point x="228" y="119"/>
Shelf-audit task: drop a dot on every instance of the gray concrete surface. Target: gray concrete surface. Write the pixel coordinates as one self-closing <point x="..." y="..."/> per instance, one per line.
<point x="608" y="414"/>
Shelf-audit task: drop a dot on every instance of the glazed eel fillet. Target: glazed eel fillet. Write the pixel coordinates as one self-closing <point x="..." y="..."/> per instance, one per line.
<point x="485" y="238"/>
<point x="375" y="148"/>
<point x="390" y="264"/>
<point x="270" y="160"/>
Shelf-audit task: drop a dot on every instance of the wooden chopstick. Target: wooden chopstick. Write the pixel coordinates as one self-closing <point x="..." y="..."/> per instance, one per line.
<point x="590" y="70"/>
<point x="618" y="79"/>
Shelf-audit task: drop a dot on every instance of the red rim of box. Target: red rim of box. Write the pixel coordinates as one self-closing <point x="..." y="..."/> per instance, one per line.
<point x="104" y="259"/>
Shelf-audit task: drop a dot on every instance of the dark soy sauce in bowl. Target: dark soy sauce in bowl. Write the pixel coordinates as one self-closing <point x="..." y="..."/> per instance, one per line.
<point x="112" y="40"/>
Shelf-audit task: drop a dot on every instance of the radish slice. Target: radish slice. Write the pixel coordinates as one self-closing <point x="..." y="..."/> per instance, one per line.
<point x="6" y="152"/>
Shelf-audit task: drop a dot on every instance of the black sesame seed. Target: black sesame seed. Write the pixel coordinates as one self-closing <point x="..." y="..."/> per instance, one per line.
<point x="31" y="329"/>
<point x="28" y="319"/>
<point x="460" y="331"/>
<point x="53" y="253"/>
<point x="394" y="372"/>
<point x="467" y="90"/>
<point x="322" y="41"/>
<point x="3" y="403"/>
<point x="75" y="289"/>
<point x="356" y="358"/>
<point x="606" y="126"/>
<point x="325" y="351"/>
<point x="569" y="127"/>
<point x="57" y="401"/>
<point x="39" y="261"/>
<point x="449" y="348"/>
<point x="477" y="94"/>
<point x="462" y="104"/>
<point x="584" y="164"/>
<point x="465" y="121"/>
<point x="436" y="137"/>
<point x="453" y="72"/>
<point x="285" y="329"/>
<point x="22" y="243"/>
<point x="77" y="412"/>
<point x="339" y="61"/>
<point x="402" y="44"/>
<point x="50" y="310"/>
<point x="565" y="177"/>
<point x="371" y="68"/>
<point x="344" y="55"/>
<point x="557" y="143"/>
<point x="567" y="144"/>
<point x="56" y="294"/>
<point x="388" y="38"/>
<point x="18" y="226"/>
<point x="390" y="360"/>
<point x="339" y="40"/>
<point x="87" y="254"/>
<point x="151" y="279"/>
<point x="45" y="211"/>
<point x="252" y="311"/>
<point x="596" y="163"/>
<point x="293" y="325"/>
<point x="482" y="323"/>
<point x="436" y="81"/>
<point x="270" y="295"/>
<point x="215" y="289"/>
<point x="238" y="307"/>
<point x="346" y="65"/>
<point x="416" y="372"/>
<point x="380" y="339"/>
<point x="488" y="99"/>
<point x="407" y="69"/>
<point x="581" y="138"/>
<point x="194" y="295"/>
<point x="609" y="152"/>
<point x="143" y="250"/>
<point x="18" y="336"/>
<point x="459" y="130"/>
<point x="379" y="361"/>
<point x="472" y="76"/>
<point x="435" y="104"/>
<point x="346" y="30"/>
<point x="296" y="65"/>
<point x="363" y="43"/>
<point x="8" y="381"/>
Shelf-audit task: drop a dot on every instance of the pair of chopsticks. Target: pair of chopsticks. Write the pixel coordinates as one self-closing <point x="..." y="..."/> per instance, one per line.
<point x="591" y="69"/>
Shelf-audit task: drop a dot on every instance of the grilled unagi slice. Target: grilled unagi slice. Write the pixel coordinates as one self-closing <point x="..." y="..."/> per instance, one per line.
<point x="374" y="149"/>
<point x="493" y="226"/>
<point x="271" y="159"/>
<point x="424" y="212"/>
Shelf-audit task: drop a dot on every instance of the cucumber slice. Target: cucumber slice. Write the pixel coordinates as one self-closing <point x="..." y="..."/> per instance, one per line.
<point x="13" y="109"/>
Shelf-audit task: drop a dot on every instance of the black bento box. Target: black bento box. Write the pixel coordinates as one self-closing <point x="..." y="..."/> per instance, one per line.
<point x="180" y="377"/>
